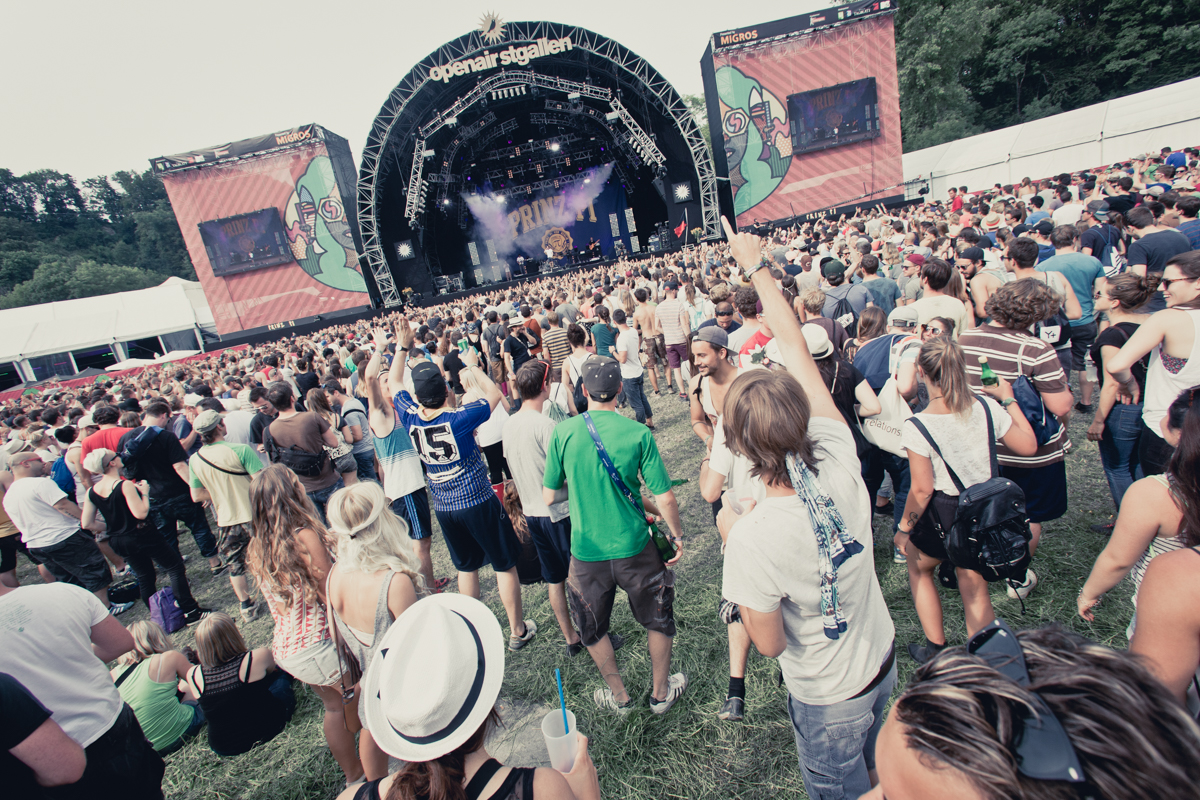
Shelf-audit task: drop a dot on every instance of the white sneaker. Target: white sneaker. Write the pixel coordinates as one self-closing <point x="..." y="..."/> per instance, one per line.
<point x="675" y="686"/>
<point x="1023" y="590"/>
<point x="517" y="642"/>
<point x="606" y="702"/>
<point x="117" y="609"/>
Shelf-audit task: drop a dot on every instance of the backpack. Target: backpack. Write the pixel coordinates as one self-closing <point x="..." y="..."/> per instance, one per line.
<point x="990" y="534"/>
<point x="845" y="315"/>
<point x="491" y="337"/>
<point x="578" y="392"/>
<point x="1055" y="330"/>
<point x="301" y="462"/>
<point x="165" y="612"/>
<point x="1045" y="425"/>
<point x="61" y="474"/>
<point x="134" y="445"/>
<point x="1114" y="263"/>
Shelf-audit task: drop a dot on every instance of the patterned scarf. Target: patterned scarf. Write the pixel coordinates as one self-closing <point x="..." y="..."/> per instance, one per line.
<point x="834" y="545"/>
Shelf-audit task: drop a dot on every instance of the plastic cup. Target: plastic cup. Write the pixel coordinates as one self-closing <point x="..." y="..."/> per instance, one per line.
<point x="731" y="502"/>
<point x="560" y="745"/>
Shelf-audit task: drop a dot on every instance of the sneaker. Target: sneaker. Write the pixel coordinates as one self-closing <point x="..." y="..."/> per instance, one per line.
<point x="517" y="642"/>
<point x="898" y="555"/>
<point x="251" y="612"/>
<point x="733" y="709"/>
<point x="924" y="652"/>
<point x="683" y="398"/>
<point x="194" y="617"/>
<point x="606" y="702"/>
<point x="121" y="573"/>
<point x="1023" y="590"/>
<point x="675" y="687"/>
<point x="116" y="609"/>
<point x="885" y="510"/>
<point x="219" y="569"/>
<point x="440" y="584"/>
<point x="1082" y="409"/>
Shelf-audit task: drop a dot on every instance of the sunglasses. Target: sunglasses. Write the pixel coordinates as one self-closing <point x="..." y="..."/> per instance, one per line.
<point x="719" y="314"/>
<point x="1043" y="750"/>
<point x="1165" y="283"/>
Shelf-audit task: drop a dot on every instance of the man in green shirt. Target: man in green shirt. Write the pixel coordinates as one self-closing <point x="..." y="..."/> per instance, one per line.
<point x="610" y="539"/>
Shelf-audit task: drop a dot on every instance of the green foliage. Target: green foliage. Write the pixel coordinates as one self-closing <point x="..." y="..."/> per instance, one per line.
<point x="695" y="104"/>
<point x="967" y="66"/>
<point x="61" y="240"/>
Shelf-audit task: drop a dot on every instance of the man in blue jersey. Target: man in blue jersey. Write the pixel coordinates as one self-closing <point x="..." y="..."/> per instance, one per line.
<point x="400" y="469"/>
<point x="474" y="524"/>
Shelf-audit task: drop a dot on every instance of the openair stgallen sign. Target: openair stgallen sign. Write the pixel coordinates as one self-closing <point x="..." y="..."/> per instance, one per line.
<point x="514" y="55"/>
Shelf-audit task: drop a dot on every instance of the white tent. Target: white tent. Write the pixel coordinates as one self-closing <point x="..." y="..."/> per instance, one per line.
<point x="174" y="306"/>
<point x="1092" y="136"/>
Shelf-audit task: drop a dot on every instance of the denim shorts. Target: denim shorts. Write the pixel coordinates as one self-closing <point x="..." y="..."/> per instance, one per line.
<point x="316" y="665"/>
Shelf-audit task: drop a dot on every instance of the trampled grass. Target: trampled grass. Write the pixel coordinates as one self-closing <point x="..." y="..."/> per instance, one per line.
<point x="687" y="753"/>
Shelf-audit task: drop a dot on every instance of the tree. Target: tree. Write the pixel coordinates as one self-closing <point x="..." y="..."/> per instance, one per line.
<point x="699" y="109"/>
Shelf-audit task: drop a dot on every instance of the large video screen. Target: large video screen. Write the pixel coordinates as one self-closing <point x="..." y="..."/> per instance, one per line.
<point x="245" y="242"/>
<point x="834" y="116"/>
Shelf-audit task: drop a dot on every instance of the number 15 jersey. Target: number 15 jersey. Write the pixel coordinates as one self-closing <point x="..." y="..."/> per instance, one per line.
<point x="445" y="443"/>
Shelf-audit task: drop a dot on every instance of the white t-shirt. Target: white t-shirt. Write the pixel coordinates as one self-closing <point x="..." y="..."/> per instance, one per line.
<point x="29" y="503"/>
<point x="491" y="431"/>
<point x="962" y="438"/>
<point x="237" y="426"/>
<point x="942" y="305"/>
<point x="47" y="635"/>
<point x="771" y="562"/>
<point x="627" y="342"/>
<point x="736" y="469"/>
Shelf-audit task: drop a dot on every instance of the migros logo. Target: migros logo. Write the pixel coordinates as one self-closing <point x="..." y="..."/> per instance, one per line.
<point x="292" y="136"/>
<point x="737" y="38"/>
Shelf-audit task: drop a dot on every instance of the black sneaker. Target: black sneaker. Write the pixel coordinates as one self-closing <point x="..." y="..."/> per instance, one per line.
<point x="924" y="652"/>
<point x="733" y="709"/>
<point x="194" y="617"/>
<point x="1082" y="409"/>
<point x="886" y="510"/>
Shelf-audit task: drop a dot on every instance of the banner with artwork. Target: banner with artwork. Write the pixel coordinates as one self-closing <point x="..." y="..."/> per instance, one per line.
<point x="250" y="202"/>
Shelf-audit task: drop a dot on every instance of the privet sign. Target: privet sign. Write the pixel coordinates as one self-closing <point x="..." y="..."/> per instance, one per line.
<point x="513" y="55"/>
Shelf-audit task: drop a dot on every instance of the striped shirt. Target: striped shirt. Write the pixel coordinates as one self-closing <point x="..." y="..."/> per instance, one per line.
<point x="401" y="467"/>
<point x="455" y="471"/>
<point x="668" y="315"/>
<point x="1012" y="353"/>
<point x="554" y="343"/>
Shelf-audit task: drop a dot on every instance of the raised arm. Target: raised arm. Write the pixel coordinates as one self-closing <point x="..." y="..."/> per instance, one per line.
<point x="785" y="326"/>
<point x="404" y="342"/>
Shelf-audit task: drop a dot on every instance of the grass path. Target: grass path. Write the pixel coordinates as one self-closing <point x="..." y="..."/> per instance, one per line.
<point x="689" y="753"/>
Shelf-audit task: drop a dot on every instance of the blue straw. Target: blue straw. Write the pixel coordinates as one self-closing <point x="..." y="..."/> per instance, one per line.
<point x="561" y="702"/>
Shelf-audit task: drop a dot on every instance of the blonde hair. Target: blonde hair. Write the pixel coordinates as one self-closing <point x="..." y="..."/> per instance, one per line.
<point x="941" y="359"/>
<point x="218" y="640"/>
<point x="370" y="537"/>
<point x="148" y="639"/>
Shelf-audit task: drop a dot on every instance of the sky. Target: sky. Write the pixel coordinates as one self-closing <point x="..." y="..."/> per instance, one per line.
<point x="95" y="88"/>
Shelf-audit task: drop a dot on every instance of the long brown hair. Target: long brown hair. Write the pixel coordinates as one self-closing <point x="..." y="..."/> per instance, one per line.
<point x="442" y="778"/>
<point x="279" y="508"/>
<point x="766" y="417"/>
<point x="941" y="359"/>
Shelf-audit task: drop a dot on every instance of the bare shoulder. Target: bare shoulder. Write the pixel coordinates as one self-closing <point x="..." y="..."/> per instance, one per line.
<point x="550" y="784"/>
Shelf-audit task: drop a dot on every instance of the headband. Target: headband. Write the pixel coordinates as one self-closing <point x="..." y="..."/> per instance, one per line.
<point x="370" y="520"/>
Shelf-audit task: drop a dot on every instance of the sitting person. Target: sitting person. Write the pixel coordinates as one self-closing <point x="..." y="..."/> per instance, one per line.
<point x="245" y="699"/>
<point x="958" y="729"/>
<point x="426" y="703"/>
<point x="150" y="678"/>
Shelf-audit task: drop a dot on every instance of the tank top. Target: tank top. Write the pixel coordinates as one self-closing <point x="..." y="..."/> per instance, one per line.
<point x="352" y="638"/>
<point x="1158" y="546"/>
<point x="492" y="430"/>
<point x="399" y="462"/>
<point x="1163" y="386"/>
<point x="157" y="708"/>
<point x="115" y="508"/>
<point x="517" y="786"/>
<point x="298" y="624"/>
<point x="240" y="714"/>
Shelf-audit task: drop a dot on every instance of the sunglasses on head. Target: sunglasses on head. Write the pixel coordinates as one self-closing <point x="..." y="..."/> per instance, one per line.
<point x="724" y="313"/>
<point x="1042" y="748"/>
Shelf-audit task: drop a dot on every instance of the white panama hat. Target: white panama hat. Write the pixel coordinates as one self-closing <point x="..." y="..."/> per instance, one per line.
<point x="435" y="679"/>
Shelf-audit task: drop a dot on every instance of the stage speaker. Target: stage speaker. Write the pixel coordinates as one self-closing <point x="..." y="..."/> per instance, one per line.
<point x="661" y="187"/>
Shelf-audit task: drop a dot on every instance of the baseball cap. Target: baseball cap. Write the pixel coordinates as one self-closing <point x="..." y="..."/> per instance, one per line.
<point x="602" y="378"/>
<point x="916" y="259"/>
<point x="972" y="253"/>
<point x="86" y="421"/>
<point x="97" y="461"/>
<point x="832" y="268"/>
<point x="192" y="399"/>
<point x="714" y="335"/>
<point x="1098" y="207"/>
<point x="1156" y="191"/>
<point x="903" y="317"/>
<point x="206" y="421"/>
<point x="673" y="285"/>
<point x="1044" y="226"/>
<point x="428" y="382"/>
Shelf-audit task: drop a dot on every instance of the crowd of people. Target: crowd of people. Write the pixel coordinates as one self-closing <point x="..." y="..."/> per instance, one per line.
<point x="919" y="364"/>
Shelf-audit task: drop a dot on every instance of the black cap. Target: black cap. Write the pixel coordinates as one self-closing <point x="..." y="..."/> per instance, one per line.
<point x="428" y="382"/>
<point x="602" y="378"/>
<point x="1044" y="226"/>
<point x="973" y="253"/>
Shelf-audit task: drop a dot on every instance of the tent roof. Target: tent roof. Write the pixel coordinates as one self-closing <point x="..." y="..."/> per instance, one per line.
<point x="174" y="305"/>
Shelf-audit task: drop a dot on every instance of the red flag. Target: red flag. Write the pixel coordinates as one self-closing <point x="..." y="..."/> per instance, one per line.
<point x="682" y="227"/>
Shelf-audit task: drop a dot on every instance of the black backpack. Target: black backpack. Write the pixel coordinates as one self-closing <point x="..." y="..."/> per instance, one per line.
<point x="301" y="462"/>
<point x="528" y="337"/>
<point x="579" y="394"/>
<point x="845" y="315"/>
<point x="493" y="339"/>
<point x="133" y="445"/>
<point x="990" y="534"/>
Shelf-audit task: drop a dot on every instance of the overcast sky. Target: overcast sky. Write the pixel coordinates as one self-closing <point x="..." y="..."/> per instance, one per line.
<point x="94" y="88"/>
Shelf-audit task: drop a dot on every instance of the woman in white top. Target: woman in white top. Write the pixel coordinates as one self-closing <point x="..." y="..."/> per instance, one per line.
<point x="490" y="434"/>
<point x="1171" y="336"/>
<point x="374" y="581"/>
<point x="955" y="420"/>
<point x="572" y="369"/>
<point x="1152" y="522"/>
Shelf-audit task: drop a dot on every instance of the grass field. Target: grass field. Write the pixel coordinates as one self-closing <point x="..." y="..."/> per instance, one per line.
<point x="688" y="753"/>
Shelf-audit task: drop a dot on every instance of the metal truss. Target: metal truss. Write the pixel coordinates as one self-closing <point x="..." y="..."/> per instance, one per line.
<point x="391" y="119"/>
<point x="413" y="199"/>
<point x="500" y="85"/>
<point x="642" y="142"/>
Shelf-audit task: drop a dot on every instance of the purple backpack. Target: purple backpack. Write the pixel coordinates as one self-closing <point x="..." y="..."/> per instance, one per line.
<point x="165" y="611"/>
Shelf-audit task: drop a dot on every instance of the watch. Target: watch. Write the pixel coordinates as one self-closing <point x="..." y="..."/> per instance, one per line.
<point x="404" y="349"/>
<point x="1008" y="401"/>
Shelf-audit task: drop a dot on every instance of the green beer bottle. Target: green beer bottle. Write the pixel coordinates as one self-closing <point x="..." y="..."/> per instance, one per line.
<point x="665" y="548"/>
<point x="986" y="376"/>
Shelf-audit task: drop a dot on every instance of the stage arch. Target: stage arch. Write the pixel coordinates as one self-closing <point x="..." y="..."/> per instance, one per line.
<point x="523" y="110"/>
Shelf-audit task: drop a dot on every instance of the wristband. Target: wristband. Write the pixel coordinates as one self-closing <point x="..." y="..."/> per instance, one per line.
<point x="1008" y="401"/>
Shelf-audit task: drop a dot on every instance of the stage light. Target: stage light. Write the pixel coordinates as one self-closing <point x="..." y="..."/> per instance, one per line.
<point x="587" y="180"/>
<point x="446" y="202"/>
<point x="452" y="121"/>
<point x="555" y="147"/>
<point x="427" y="153"/>
<point x="612" y="116"/>
<point x="404" y="250"/>
<point x="682" y="192"/>
<point x="573" y="95"/>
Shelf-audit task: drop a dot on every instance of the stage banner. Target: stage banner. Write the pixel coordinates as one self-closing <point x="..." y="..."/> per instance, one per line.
<point x="245" y="147"/>
<point x="243" y="207"/>
<point x="811" y="121"/>
<point x="559" y="221"/>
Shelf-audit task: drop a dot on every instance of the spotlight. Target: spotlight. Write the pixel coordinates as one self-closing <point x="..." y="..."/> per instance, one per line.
<point x="404" y="250"/>
<point x="554" y="147"/>
<point x="682" y="192"/>
<point x="573" y="96"/>
<point x="446" y="202"/>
